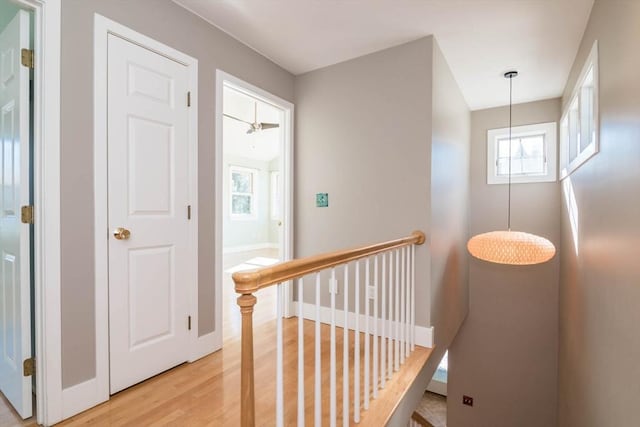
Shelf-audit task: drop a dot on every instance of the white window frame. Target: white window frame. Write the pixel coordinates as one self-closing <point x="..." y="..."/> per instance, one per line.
<point x="254" y="193"/>
<point x="567" y="163"/>
<point x="275" y="195"/>
<point x="550" y="132"/>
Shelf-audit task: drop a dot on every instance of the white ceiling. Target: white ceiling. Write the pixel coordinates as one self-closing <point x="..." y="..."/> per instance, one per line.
<point x="481" y="39"/>
<point x="262" y="145"/>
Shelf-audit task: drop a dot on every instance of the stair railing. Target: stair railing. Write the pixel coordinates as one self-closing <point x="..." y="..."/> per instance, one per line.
<point x="388" y="286"/>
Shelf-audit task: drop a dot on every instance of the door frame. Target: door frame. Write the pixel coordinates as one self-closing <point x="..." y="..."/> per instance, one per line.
<point x="46" y="202"/>
<point x="96" y="390"/>
<point x="222" y="79"/>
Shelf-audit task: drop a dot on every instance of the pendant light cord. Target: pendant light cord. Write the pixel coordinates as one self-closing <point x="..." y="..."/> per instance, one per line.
<point x="510" y="108"/>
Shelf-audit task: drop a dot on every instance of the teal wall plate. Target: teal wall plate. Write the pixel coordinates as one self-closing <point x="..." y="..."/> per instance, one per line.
<point x="322" y="200"/>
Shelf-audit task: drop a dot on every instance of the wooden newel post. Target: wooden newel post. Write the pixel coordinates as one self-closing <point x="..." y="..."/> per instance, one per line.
<point x="247" y="393"/>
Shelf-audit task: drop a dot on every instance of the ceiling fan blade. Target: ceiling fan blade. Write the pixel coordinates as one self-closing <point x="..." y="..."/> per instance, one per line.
<point x="269" y="125"/>
<point x="237" y="119"/>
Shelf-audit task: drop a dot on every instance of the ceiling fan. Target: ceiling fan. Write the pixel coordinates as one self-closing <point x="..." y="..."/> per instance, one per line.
<point x="255" y="126"/>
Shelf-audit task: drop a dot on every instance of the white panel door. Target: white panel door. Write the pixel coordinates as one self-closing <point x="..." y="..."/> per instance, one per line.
<point x="15" y="277"/>
<point x="148" y="197"/>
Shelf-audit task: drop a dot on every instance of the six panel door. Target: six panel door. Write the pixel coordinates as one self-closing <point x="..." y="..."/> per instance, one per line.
<point x="15" y="274"/>
<point x="147" y="198"/>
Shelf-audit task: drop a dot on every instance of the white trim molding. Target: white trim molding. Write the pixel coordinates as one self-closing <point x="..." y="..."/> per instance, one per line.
<point x="80" y="397"/>
<point x="570" y="160"/>
<point x="548" y="130"/>
<point x="95" y="391"/>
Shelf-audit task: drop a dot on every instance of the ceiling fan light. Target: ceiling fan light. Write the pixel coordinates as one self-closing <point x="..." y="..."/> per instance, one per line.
<point x="511" y="247"/>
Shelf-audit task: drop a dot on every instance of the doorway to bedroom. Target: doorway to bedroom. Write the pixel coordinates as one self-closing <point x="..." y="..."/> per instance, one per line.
<point x="255" y="195"/>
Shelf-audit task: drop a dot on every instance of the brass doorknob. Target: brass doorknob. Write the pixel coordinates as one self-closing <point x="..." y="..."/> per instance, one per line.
<point x="121" y="233"/>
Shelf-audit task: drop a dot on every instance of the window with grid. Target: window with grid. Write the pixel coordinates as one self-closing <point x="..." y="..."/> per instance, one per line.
<point x="533" y="154"/>
<point x="242" y="192"/>
<point x="579" y="128"/>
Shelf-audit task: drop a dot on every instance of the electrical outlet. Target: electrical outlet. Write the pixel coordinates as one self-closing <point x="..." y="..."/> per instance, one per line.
<point x="333" y="286"/>
<point x="467" y="400"/>
<point x="371" y="292"/>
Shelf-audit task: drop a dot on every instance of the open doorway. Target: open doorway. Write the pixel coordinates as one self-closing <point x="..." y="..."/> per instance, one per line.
<point x="254" y="204"/>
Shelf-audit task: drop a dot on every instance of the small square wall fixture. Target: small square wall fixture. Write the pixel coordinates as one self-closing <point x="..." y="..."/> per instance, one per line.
<point x="322" y="200"/>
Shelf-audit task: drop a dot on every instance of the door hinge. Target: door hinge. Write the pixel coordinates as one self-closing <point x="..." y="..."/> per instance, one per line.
<point x="27" y="214"/>
<point x="27" y="58"/>
<point x="29" y="367"/>
<point x="189" y="212"/>
<point x="189" y="322"/>
<point x="188" y="99"/>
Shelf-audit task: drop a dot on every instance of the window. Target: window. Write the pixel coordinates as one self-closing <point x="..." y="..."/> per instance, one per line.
<point x="275" y="196"/>
<point x="579" y="124"/>
<point x="243" y="196"/>
<point x="533" y="154"/>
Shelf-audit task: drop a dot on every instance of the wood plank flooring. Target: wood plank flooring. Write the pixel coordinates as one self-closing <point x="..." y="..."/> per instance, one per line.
<point x="206" y="393"/>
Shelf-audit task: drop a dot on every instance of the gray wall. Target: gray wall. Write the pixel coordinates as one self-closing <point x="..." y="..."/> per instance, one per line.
<point x="505" y="354"/>
<point x="449" y="205"/>
<point x="243" y="232"/>
<point x="166" y="22"/>
<point x="449" y="209"/>
<point x="600" y="287"/>
<point x="363" y="135"/>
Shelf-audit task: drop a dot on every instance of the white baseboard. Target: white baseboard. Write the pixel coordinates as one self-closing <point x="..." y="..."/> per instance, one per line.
<point x="83" y="396"/>
<point x="424" y="334"/>
<point x="437" y="387"/>
<point x="204" y="346"/>
<point x="80" y="397"/>
<point x="247" y="248"/>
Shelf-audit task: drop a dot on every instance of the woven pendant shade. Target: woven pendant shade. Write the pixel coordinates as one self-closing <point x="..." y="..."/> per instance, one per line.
<point x="511" y="247"/>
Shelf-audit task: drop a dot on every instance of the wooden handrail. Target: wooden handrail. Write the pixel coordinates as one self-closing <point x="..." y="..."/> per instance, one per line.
<point x="248" y="282"/>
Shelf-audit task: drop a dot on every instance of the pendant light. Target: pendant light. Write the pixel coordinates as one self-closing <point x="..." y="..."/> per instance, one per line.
<point x="506" y="246"/>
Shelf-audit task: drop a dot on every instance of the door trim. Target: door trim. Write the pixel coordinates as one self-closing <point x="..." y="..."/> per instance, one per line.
<point x="97" y="390"/>
<point x="223" y="78"/>
<point x="46" y="199"/>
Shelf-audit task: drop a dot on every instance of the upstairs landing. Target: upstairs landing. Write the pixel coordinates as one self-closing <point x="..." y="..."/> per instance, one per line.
<point x="206" y="393"/>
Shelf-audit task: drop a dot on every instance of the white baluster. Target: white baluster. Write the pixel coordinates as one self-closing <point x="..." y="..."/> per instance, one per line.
<point x="375" y="327"/>
<point x="318" y="373"/>
<point x="383" y="333"/>
<point x="367" y="371"/>
<point x="396" y="285"/>
<point x="345" y="350"/>
<point x="413" y="297"/>
<point x="407" y="323"/>
<point x="332" y="361"/>
<point x="279" y="360"/>
<point x="390" y="340"/>
<point x="356" y="352"/>
<point x="300" y="354"/>
<point x="403" y="277"/>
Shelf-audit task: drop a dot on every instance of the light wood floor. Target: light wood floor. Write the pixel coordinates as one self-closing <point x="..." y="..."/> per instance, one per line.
<point x="206" y="393"/>
<point x="265" y="312"/>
